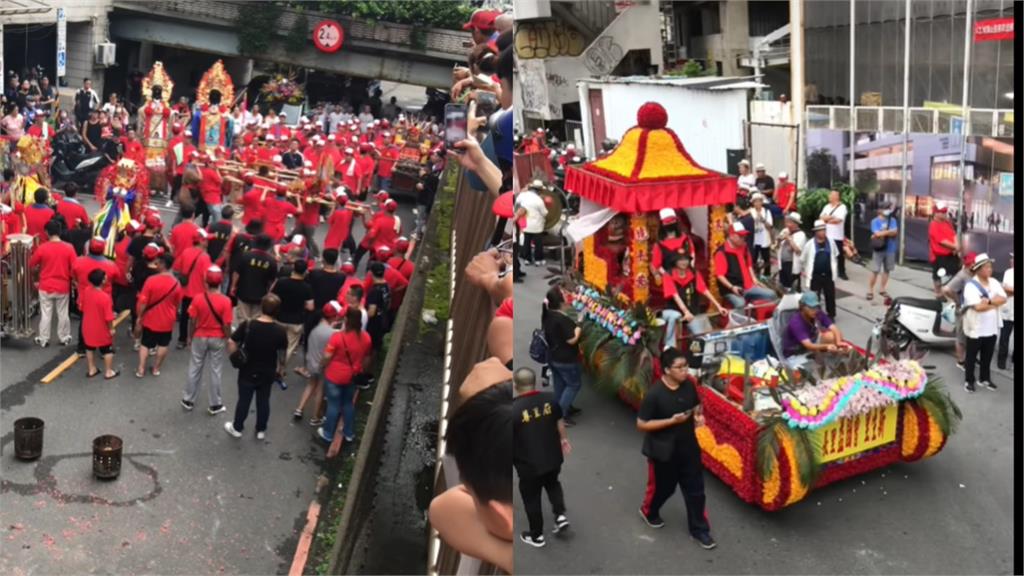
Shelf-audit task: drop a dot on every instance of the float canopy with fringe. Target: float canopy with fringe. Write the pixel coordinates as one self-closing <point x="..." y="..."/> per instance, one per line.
<point x="650" y="170"/>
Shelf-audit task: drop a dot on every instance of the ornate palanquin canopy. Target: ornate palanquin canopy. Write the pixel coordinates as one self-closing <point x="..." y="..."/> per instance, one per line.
<point x="216" y="78"/>
<point x="650" y="170"/>
<point x="157" y="77"/>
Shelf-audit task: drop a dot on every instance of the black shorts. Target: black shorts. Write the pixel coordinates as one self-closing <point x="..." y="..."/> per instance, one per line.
<point x="951" y="263"/>
<point x="104" y="350"/>
<point x="151" y="339"/>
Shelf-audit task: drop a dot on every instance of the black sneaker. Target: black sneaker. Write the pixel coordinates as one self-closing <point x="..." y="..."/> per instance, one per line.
<point x="655" y="522"/>
<point x="180" y="345"/>
<point x="363" y="385"/>
<point x="706" y="541"/>
<point x="561" y="523"/>
<point x="989" y="385"/>
<point x="569" y="421"/>
<point x="214" y="410"/>
<point x="535" y="541"/>
<point x="574" y="411"/>
<point x="969" y="387"/>
<point x="187" y="405"/>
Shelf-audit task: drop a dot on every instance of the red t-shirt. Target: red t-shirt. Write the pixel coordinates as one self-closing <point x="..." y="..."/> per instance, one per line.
<point x="386" y="163"/>
<point x="182" y="236"/>
<point x="275" y="211"/>
<point x="741" y="254"/>
<point x="674" y="281"/>
<point x="55" y="259"/>
<point x="310" y="214"/>
<point x="36" y="217"/>
<point x="121" y="260"/>
<point x="339" y="227"/>
<point x="350" y="281"/>
<point x="784" y="193"/>
<point x="73" y="212"/>
<point x="940" y="232"/>
<point x="350" y="174"/>
<point x="85" y="264"/>
<point x="505" y="310"/>
<point x="365" y="168"/>
<point x="160" y="318"/>
<point x="209" y="325"/>
<point x="381" y="233"/>
<point x="395" y="281"/>
<point x="252" y="205"/>
<point x="347" y="350"/>
<point x="210" y="186"/>
<point x="404" y="266"/>
<point x="97" y="313"/>
<point x="194" y="262"/>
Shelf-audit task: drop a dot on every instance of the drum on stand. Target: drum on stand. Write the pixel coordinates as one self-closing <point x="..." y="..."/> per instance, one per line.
<point x="19" y="286"/>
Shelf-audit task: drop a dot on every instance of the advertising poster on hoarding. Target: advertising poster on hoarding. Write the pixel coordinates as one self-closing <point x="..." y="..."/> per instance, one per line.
<point x="933" y="175"/>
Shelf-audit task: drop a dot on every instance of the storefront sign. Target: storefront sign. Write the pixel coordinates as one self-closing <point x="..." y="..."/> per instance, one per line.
<point x="848" y="436"/>
<point x="62" y="45"/>
<point x="328" y="36"/>
<point x="1006" y="183"/>
<point x="994" y="29"/>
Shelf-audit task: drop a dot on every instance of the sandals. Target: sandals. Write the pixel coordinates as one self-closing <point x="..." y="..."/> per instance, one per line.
<point x="154" y="371"/>
<point x="93" y="375"/>
<point x="115" y="375"/>
<point x="140" y="374"/>
<point x="297" y="414"/>
<point x="870" y="297"/>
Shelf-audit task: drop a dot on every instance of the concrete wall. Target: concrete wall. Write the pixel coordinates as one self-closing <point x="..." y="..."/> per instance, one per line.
<point x="634" y="29"/>
<point x="707" y="122"/>
<point x="87" y="26"/>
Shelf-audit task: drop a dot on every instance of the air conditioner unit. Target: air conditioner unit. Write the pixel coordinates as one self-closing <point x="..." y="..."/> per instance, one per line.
<point x="105" y="53"/>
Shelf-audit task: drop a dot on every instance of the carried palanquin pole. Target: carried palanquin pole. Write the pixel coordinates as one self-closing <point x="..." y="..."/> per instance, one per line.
<point x="154" y="123"/>
<point x="212" y="125"/>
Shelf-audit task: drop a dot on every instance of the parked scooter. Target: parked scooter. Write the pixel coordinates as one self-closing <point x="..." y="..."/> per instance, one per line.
<point x="72" y="162"/>
<point x="927" y="320"/>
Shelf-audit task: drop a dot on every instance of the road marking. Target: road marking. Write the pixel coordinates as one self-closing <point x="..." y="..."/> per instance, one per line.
<point x="70" y="361"/>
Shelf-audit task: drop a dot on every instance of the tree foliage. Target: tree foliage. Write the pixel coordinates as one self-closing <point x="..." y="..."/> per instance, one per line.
<point x="298" y="36"/>
<point x="822" y="169"/>
<point x="256" y="27"/>
<point x="450" y="14"/>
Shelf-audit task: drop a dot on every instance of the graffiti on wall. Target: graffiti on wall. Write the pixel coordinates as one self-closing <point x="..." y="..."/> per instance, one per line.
<point x="547" y="39"/>
<point x="534" y="87"/>
<point x="603" y="56"/>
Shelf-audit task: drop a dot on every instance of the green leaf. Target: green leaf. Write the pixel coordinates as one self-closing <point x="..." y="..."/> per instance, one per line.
<point x="767" y="449"/>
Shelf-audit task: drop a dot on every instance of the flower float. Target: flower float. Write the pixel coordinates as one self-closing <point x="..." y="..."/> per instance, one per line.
<point x="883" y="385"/>
<point x="282" y="89"/>
<point x="616" y="321"/>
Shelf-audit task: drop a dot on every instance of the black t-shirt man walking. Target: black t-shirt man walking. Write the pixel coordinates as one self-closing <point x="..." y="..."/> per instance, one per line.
<point x="540" y="443"/>
<point x="667" y="416"/>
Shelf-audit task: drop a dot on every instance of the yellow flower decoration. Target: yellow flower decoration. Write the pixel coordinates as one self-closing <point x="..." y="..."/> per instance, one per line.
<point x="595" y="269"/>
<point x="911" y="435"/>
<point x="663" y="160"/>
<point x="624" y="157"/>
<point x="796" y="489"/>
<point x="934" y="438"/>
<point x="723" y="453"/>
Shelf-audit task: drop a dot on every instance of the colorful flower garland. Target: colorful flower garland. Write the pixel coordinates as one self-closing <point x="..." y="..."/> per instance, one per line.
<point x="851" y="395"/>
<point x="616" y="321"/>
<point x="716" y="225"/>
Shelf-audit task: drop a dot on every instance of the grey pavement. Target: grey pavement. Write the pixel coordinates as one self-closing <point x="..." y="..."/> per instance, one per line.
<point x="951" y="514"/>
<point x="190" y="499"/>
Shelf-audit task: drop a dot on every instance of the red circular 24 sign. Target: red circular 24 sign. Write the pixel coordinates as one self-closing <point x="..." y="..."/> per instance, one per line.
<point x="328" y="36"/>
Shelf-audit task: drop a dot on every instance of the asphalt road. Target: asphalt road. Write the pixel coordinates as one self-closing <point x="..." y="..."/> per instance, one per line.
<point x="190" y="498"/>
<point x="951" y="514"/>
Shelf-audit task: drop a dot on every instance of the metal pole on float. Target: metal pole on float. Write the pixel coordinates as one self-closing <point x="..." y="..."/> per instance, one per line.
<point x="906" y="131"/>
<point x="853" y="118"/>
<point x="796" y="84"/>
<point x="964" y="123"/>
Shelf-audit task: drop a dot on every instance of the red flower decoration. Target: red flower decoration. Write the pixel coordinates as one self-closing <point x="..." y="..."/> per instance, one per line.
<point x="652" y="116"/>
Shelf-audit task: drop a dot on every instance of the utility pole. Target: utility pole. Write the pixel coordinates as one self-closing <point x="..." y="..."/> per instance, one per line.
<point x="797" y="82"/>
<point x="964" y="123"/>
<point x="853" y="117"/>
<point x="906" y="130"/>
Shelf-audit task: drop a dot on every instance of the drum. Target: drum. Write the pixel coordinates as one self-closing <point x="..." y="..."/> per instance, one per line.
<point x="20" y="292"/>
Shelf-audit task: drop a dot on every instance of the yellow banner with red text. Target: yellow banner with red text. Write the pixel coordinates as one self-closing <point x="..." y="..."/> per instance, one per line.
<point x="848" y="436"/>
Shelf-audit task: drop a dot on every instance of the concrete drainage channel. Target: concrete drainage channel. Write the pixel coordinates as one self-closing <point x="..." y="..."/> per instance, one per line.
<point x="374" y="509"/>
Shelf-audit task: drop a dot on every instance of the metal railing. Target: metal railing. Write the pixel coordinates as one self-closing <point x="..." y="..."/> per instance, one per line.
<point x="993" y="122"/>
<point x="470" y="315"/>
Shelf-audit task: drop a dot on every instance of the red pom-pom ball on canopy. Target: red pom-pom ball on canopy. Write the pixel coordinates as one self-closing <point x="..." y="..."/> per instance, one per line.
<point x="652" y="116"/>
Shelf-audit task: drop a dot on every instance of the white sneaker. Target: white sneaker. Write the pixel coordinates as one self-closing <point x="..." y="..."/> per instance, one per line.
<point x="229" y="427"/>
<point x="261" y="435"/>
<point x="42" y="343"/>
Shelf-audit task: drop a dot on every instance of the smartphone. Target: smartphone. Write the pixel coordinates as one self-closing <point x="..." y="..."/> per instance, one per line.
<point x="455" y="124"/>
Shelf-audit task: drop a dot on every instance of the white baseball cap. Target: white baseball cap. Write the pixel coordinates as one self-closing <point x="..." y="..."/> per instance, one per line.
<point x="783" y="176"/>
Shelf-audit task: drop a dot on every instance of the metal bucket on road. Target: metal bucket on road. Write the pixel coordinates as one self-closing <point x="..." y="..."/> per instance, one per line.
<point x="106" y="457"/>
<point x="28" y="438"/>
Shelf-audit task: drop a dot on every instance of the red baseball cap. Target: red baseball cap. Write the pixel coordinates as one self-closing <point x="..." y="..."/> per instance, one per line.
<point x="969" y="259"/>
<point x="97" y="245"/>
<point x="390" y="205"/>
<point x="402" y="244"/>
<point x="151" y="251"/>
<point x="214" y="276"/>
<point x="738" y="228"/>
<point x="332" y="309"/>
<point x="365" y="148"/>
<point x="381" y="195"/>
<point x="199" y="235"/>
<point x="482" y="20"/>
<point x="348" y="267"/>
<point x="383" y="252"/>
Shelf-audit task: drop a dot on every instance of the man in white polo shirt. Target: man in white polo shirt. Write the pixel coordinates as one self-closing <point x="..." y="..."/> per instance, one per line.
<point x="834" y="215"/>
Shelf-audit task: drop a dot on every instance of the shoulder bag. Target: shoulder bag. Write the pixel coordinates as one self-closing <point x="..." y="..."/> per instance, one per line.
<point x="225" y="326"/>
<point x="240" y="357"/>
<point x="137" y="330"/>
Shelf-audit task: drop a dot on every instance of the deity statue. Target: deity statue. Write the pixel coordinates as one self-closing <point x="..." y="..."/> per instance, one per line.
<point x="154" y="121"/>
<point x="212" y="125"/>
